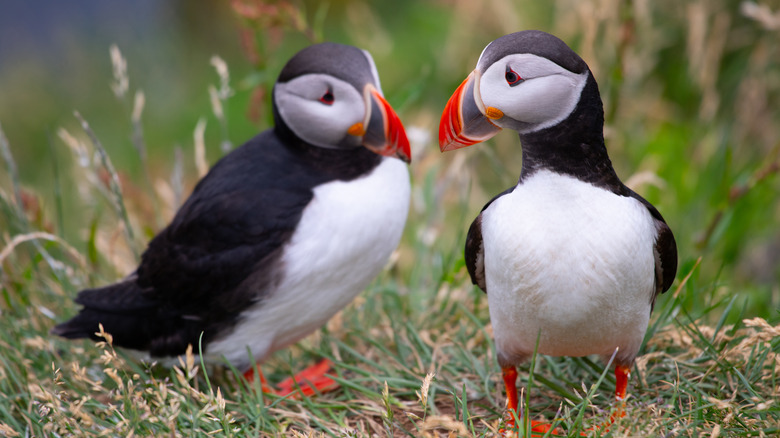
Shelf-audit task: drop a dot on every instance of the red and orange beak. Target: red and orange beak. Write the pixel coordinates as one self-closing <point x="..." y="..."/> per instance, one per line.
<point x="382" y="130"/>
<point x="463" y="122"/>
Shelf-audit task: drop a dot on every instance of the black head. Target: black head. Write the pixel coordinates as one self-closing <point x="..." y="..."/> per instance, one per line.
<point x="533" y="42"/>
<point x="348" y="63"/>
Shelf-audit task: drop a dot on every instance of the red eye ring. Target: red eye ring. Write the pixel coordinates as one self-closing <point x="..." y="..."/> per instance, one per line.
<point x="328" y="98"/>
<point x="512" y="78"/>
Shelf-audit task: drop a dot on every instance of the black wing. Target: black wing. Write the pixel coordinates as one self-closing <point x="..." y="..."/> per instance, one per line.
<point x="474" y="253"/>
<point x="220" y="254"/>
<point x="665" y="249"/>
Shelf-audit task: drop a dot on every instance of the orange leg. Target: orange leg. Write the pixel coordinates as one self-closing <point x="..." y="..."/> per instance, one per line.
<point x="622" y="374"/>
<point x="510" y="382"/>
<point x="311" y="380"/>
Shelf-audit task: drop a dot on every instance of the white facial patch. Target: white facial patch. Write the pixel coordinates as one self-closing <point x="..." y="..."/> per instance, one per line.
<point x="545" y="97"/>
<point x="317" y="122"/>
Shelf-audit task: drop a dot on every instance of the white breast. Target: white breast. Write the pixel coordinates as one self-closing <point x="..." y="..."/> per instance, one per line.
<point x="571" y="263"/>
<point x="343" y="240"/>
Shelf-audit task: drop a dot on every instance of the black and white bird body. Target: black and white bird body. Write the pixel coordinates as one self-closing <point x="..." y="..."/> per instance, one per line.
<point x="282" y="232"/>
<point x="569" y="257"/>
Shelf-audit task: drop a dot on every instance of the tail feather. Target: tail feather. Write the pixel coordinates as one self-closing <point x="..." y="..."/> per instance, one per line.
<point x="125" y="297"/>
<point x="121" y="308"/>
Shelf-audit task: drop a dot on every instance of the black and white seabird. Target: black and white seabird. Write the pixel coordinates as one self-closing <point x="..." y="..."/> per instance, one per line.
<point x="282" y="232"/>
<point x="570" y="255"/>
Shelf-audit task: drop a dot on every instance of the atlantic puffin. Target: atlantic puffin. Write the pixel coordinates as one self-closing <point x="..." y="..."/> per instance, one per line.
<point x="281" y="234"/>
<point x="569" y="257"/>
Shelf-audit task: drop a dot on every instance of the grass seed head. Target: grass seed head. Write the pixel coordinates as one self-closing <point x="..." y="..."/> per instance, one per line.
<point x="121" y="81"/>
<point x="138" y="106"/>
<point x="422" y="394"/>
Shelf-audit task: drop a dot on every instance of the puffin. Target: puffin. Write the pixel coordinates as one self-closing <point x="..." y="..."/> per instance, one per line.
<point x="571" y="259"/>
<point x="280" y="234"/>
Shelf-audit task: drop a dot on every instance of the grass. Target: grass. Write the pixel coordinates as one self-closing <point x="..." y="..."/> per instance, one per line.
<point x="692" y="124"/>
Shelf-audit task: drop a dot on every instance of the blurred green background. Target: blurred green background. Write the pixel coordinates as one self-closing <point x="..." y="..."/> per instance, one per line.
<point x="691" y="92"/>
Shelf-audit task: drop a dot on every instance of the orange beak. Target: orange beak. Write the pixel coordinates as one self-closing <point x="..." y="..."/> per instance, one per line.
<point x="463" y="122"/>
<point x="383" y="132"/>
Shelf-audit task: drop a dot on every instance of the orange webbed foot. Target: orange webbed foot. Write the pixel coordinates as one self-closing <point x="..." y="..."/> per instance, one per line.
<point x="538" y="429"/>
<point x="310" y="381"/>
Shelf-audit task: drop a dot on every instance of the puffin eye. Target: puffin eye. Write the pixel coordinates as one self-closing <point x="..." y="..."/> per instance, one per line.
<point x="512" y="78"/>
<point x="328" y="98"/>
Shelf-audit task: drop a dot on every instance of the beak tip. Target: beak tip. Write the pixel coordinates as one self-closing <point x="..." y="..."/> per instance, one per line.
<point x="404" y="150"/>
<point x="452" y="145"/>
<point x="444" y="144"/>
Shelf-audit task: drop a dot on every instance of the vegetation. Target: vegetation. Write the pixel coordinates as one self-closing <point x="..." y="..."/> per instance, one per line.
<point x="693" y="124"/>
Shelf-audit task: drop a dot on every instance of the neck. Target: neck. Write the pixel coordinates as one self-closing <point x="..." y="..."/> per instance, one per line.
<point x="343" y="164"/>
<point x="575" y="146"/>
